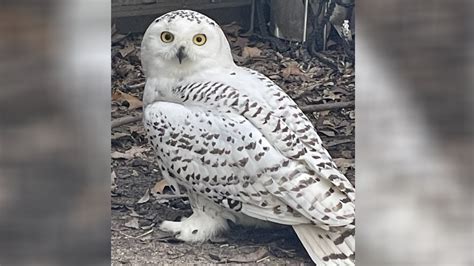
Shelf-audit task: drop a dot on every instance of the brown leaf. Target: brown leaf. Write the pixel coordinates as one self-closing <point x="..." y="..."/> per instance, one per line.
<point x="160" y="187"/>
<point x="129" y="48"/>
<point x="249" y="52"/>
<point x="292" y="69"/>
<point x="133" y="102"/>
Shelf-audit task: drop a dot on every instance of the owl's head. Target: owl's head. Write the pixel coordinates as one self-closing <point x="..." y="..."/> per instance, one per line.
<point x="183" y="41"/>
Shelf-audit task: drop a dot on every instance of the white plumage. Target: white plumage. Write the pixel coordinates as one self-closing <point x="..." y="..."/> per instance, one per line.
<point x="240" y="146"/>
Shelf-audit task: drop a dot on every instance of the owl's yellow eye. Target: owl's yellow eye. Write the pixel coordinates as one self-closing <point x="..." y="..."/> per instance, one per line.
<point x="199" y="39"/>
<point x="167" y="36"/>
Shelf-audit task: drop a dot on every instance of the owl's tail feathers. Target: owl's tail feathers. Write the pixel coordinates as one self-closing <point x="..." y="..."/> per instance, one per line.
<point x="327" y="248"/>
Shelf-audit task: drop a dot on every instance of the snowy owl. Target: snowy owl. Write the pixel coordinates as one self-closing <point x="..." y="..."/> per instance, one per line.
<point x="240" y="146"/>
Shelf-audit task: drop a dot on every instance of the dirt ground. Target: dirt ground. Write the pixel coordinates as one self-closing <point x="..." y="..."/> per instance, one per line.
<point x="137" y="202"/>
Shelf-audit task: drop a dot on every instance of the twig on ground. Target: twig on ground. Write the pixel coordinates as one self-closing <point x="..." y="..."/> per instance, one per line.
<point x="168" y="196"/>
<point x="326" y="106"/>
<point x="339" y="142"/>
<point x="144" y="234"/>
<point x="136" y="86"/>
<point x="307" y="109"/>
<point x="126" y="235"/>
<point x="326" y="60"/>
<point x="126" y="120"/>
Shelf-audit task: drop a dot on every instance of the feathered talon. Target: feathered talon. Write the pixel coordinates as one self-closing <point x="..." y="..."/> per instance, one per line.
<point x="202" y="225"/>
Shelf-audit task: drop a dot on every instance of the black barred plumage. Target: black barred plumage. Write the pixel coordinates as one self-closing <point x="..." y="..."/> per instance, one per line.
<point x="239" y="144"/>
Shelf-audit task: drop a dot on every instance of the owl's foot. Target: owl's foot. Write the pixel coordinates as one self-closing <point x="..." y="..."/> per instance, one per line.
<point x="199" y="227"/>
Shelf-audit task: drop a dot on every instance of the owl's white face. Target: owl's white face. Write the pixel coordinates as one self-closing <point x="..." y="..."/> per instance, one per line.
<point x="183" y="41"/>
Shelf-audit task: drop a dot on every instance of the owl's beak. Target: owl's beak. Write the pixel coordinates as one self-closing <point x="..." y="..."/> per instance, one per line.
<point x="181" y="54"/>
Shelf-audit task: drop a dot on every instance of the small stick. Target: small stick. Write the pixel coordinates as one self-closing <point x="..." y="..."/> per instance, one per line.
<point x="128" y="236"/>
<point x="144" y="234"/>
<point x="326" y="106"/>
<point x="136" y="86"/>
<point x="339" y="142"/>
<point x="307" y="109"/>
<point x="167" y="196"/>
<point x="262" y="259"/>
<point x="326" y="60"/>
<point x="126" y="120"/>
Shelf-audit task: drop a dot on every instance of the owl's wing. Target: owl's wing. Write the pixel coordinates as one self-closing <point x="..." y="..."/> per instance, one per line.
<point x="314" y="187"/>
<point x="298" y="123"/>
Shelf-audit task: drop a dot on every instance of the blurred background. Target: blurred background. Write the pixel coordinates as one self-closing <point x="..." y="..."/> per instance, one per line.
<point x="414" y="127"/>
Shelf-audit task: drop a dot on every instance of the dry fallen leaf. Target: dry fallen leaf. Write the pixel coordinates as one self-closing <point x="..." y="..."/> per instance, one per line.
<point x="121" y="155"/>
<point x="241" y="42"/>
<point x="127" y="49"/>
<point x="129" y="154"/>
<point x="160" y="187"/>
<point x="145" y="197"/>
<point x="133" y="213"/>
<point x="133" y="102"/>
<point x="292" y="69"/>
<point x="133" y="223"/>
<point x="249" y="52"/>
<point x="343" y="164"/>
